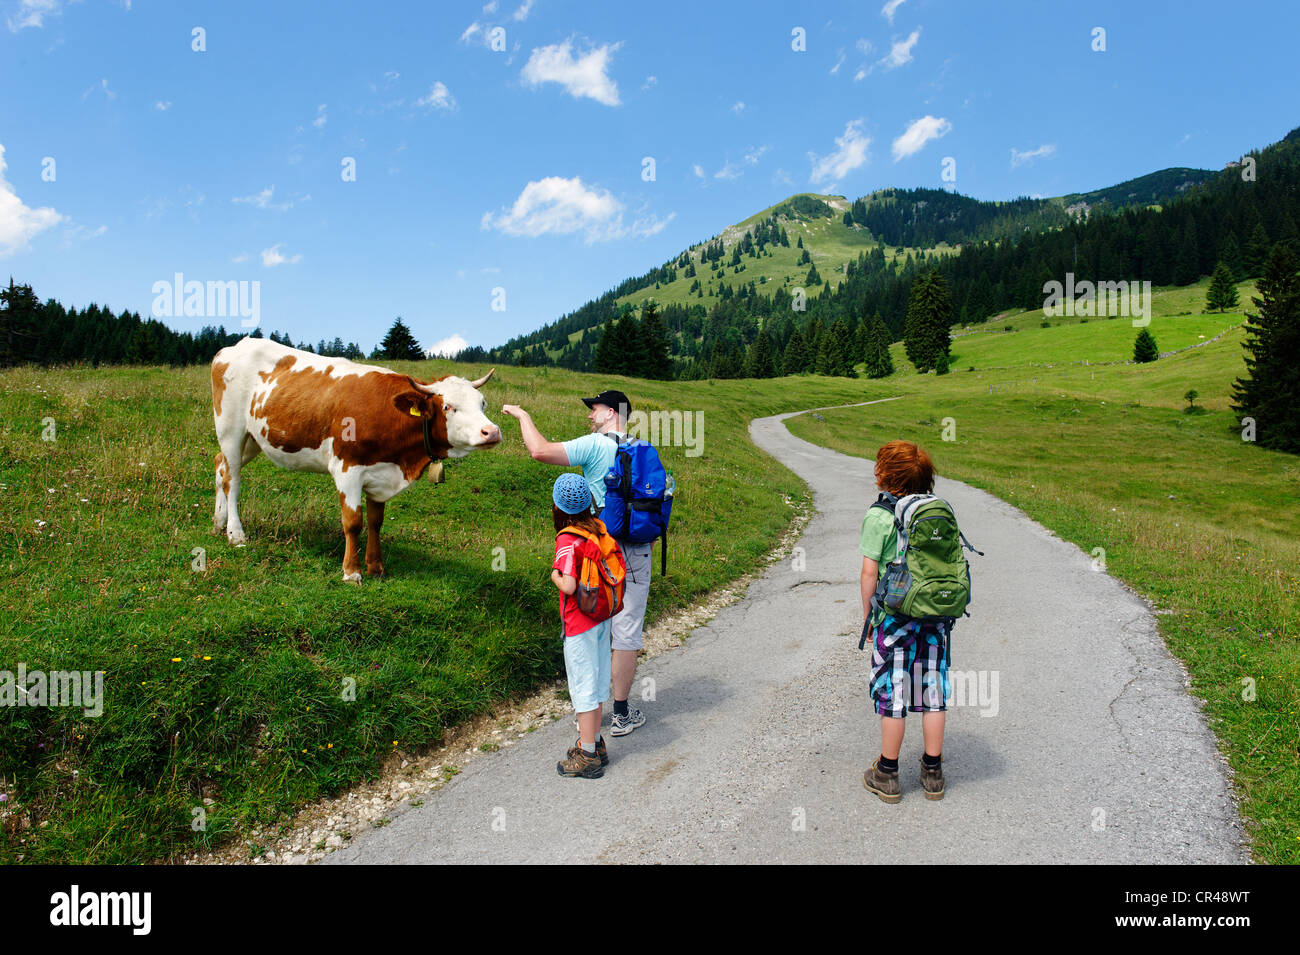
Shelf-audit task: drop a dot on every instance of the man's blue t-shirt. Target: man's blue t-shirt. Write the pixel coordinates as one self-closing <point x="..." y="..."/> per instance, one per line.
<point x="595" y="454"/>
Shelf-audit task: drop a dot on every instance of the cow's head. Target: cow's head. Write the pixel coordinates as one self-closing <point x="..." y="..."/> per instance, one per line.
<point x="458" y="410"/>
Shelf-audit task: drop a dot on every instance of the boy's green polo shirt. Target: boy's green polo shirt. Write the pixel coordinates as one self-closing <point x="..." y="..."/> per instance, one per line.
<point x="879" y="537"/>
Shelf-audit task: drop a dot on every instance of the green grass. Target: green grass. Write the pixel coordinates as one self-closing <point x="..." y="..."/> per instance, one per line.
<point x="1188" y="514"/>
<point x="229" y="684"/>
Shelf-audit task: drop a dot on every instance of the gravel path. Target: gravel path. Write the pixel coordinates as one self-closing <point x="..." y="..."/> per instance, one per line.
<point x="1084" y="745"/>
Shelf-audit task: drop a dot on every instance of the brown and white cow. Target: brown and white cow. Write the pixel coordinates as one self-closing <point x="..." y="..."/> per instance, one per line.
<point x="374" y="430"/>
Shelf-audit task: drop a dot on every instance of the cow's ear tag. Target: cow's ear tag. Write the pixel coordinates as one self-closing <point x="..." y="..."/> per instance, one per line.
<point x="415" y="412"/>
<point x="436" y="474"/>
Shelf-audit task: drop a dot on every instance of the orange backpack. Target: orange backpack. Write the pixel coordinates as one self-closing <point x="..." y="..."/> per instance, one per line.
<point x="602" y="573"/>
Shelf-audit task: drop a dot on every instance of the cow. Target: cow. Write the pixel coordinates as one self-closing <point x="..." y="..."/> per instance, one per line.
<point x="375" y="431"/>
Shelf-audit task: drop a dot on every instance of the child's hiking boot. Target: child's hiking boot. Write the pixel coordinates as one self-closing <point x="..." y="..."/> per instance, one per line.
<point x="932" y="780"/>
<point x="601" y="751"/>
<point x="578" y="763"/>
<point x="622" y="725"/>
<point x="883" y="784"/>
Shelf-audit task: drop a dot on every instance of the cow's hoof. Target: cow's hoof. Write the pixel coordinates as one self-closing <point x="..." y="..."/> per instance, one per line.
<point x="238" y="538"/>
<point x="352" y="578"/>
<point x="375" y="570"/>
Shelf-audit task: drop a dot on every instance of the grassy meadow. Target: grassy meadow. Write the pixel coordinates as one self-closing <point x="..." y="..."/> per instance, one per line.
<point x="225" y="687"/>
<point x="1188" y="514"/>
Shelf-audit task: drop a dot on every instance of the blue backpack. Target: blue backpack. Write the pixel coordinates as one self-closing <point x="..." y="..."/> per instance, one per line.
<point x="638" y="496"/>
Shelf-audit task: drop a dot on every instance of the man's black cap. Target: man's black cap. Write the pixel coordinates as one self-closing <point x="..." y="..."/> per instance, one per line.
<point x="611" y="399"/>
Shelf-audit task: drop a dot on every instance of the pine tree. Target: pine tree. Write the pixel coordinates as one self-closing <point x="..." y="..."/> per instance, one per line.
<point x="881" y="340"/>
<point x="929" y="314"/>
<point x="605" y="349"/>
<point x="1257" y="251"/>
<point x="1222" y="293"/>
<point x="1144" y="348"/>
<point x="795" y="360"/>
<point x="658" y="364"/>
<point x="1188" y="267"/>
<point x="400" y="344"/>
<point x="1230" y="254"/>
<point x="1270" y="392"/>
<point x="758" y="363"/>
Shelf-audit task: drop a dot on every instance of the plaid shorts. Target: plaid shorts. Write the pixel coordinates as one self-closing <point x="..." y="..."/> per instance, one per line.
<point x="909" y="654"/>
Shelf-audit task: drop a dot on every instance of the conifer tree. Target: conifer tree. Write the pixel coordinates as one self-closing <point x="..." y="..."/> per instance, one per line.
<point x="1222" y="293"/>
<point x="400" y="344"/>
<point x="1144" y="348"/>
<point x="657" y="365"/>
<point x="1257" y="251"/>
<point x="1270" y="392"/>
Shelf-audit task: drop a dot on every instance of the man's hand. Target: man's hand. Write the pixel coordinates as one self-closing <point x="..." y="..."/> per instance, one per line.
<point x="515" y="411"/>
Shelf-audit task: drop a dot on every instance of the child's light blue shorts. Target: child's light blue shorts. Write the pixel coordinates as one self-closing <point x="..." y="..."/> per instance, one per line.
<point x="586" y="662"/>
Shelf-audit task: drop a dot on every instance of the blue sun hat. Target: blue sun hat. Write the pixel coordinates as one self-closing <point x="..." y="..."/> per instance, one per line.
<point x="571" y="493"/>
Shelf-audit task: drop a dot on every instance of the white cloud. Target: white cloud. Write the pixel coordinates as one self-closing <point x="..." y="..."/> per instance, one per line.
<point x="754" y="155"/>
<point x="439" y="97"/>
<point x="273" y="256"/>
<point x="698" y="170"/>
<point x="781" y="177"/>
<point x="838" y="63"/>
<point x="864" y="46"/>
<point x="447" y="346"/>
<point x="649" y="82"/>
<point x="901" y="51"/>
<point x="162" y="107"/>
<point x="739" y="107"/>
<point x="525" y="8"/>
<point x="241" y="257"/>
<point x="18" y="222"/>
<point x="851" y="154"/>
<point x="584" y="76"/>
<point x="1019" y="158"/>
<point x="320" y="120"/>
<point x="491" y="7"/>
<point x="81" y="233"/>
<point x="470" y="31"/>
<point x="888" y="10"/>
<point x="32" y="13"/>
<point x="103" y="85"/>
<point x="862" y="73"/>
<point x="918" y="133"/>
<point x="262" y="200"/>
<point x="729" y="171"/>
<point x="562" y="206"/>
<point x="259" y="199"/>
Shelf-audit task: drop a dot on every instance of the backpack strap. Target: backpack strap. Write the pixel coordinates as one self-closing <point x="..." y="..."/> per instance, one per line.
<point x="968" y="546"/>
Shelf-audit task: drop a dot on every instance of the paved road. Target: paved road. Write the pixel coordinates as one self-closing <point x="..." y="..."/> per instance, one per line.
<point x="1087" y="749"/>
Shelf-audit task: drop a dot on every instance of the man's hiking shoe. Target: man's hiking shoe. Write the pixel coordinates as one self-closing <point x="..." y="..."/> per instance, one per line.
<point x="622" y="725"/>
<point x="601" y="751"/>
<point x="932" y="781"/>
<point x="885" y="785"/>
<point x="578" y="763"/>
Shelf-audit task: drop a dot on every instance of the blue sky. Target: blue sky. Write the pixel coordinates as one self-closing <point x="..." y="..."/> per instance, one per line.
<point x="522" y="168"/>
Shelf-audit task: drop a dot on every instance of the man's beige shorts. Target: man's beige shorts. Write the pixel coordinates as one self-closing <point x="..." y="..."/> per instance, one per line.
<point x="630" y="621"/>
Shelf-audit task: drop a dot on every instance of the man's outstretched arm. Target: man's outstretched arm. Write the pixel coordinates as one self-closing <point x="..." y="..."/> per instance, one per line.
<point x="548" y="452"/>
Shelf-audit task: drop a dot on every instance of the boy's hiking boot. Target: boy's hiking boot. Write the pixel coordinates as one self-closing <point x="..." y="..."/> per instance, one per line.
<point x="932" y="780"/>
<point x="885" y="785"/>
<point x="578" y="763"/>
<point x="622" y="725"/>
<point x="601" y="751"/>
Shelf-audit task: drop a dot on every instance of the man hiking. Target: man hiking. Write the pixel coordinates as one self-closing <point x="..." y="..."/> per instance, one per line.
<point x="594" y="453"/>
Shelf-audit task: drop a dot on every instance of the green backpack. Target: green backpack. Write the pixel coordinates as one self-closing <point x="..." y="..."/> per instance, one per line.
<point x="929" y="578"/>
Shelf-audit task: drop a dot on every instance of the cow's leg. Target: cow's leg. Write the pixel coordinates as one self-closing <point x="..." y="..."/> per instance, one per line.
<point x="374" y="521"/>
<point x="222" y="486"/>
<point x="350" y="502"/>
<point x="234" y="455"/>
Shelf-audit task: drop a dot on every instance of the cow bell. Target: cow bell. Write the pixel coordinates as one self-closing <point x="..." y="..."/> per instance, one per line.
<point x="436" y="474"/>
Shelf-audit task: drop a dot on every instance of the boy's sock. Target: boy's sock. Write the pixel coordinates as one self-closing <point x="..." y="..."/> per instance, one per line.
<point x="589" y="750"/>
<point x="620" y="707"/>
<point x="931" y="761"/>
<point x="888" y="765"/>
